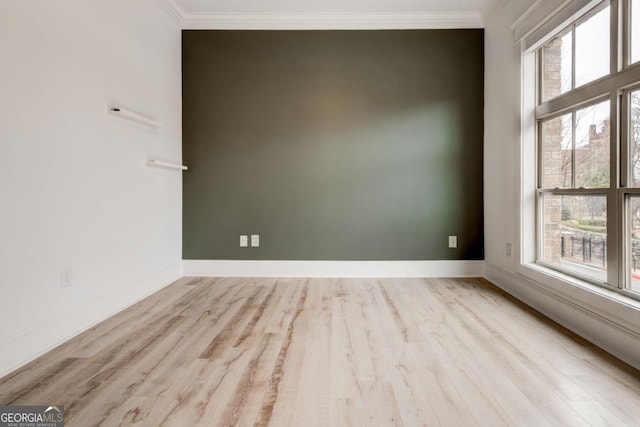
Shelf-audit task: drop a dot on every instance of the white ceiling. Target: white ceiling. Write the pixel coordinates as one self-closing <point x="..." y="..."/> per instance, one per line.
<point x="211" y="7"/>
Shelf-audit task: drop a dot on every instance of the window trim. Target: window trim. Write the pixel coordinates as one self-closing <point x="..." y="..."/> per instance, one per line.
<point x="616" y="87"/>
<point x="584" y="94"/>
<point x="540" y="22"/>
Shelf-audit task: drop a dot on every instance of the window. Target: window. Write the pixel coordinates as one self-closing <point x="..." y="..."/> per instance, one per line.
<point x="589" y="39"/>
<point x="588" y="147"/>
<point x="635" y="35"/>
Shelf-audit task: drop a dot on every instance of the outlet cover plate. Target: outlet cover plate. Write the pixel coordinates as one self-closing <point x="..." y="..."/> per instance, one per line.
<point x="66" y="277"/>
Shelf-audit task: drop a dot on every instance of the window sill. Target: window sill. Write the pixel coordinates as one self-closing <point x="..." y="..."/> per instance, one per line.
<point x="597" y="300"/>
<point x="607" y="319"/>
<point x="604" y="290"/>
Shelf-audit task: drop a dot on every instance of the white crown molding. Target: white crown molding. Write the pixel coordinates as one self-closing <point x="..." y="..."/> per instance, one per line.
<point x="323" y="21"/>
<point x="530" y="10"/>
<point x="320" y="21"/>
<point x="492" y="8"/>
<point x="544" y="16"/>
<point x="359" y="269"/>
<point x="332" y="21"/>
<point x="175" y="12"/>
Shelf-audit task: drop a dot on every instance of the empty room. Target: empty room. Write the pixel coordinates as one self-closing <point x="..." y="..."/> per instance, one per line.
<point x="320" y="213"/>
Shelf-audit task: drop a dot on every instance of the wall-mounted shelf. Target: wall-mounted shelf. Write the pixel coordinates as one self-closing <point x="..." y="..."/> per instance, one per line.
<point x="130" y="115"/>
<point x="166" y="165"/>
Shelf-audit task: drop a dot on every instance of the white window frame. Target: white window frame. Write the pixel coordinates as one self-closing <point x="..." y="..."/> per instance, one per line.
<point x="616" y="86"/>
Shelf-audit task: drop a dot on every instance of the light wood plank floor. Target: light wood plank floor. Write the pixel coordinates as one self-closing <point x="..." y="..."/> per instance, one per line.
<point x="329" y="352"/>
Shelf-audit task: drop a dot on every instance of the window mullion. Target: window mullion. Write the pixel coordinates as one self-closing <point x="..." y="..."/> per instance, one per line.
<point x="573" y="149"/>
<point x="622" y="127"/>
<point x="616" y="54"/>
<point x="574" y="191"/>
<point x="573" y="56"/>
<point x="615" y="206"/>
<point x="620" y="123"/>
<point x="589" y="93"/>
<point x="540" y="154"/>
<point x="624" y="33"/>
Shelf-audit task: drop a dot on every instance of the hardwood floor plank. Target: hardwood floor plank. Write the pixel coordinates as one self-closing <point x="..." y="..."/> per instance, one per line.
<point x="599" y="415"/>
<point x="414" y="402"/>
<point x="286" y="371"/>
<point x="136" y="411"/>
<point x="343" y="381"/>
<point x="189" y="341"/>
<point x="458" y="335"/>
<point x="339" y="352"/>
<point x="312" y="400"/>
<point x="615" y="396"/>
<point x="393" y="309"/>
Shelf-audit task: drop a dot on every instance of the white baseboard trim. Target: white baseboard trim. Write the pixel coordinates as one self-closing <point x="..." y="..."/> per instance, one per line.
<point x="605" y="329"/>
<point x="361" y="269"/>
<point x="37" y="339"/>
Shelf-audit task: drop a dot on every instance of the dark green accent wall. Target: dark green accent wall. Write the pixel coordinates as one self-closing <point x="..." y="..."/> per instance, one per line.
<point x="333" y="145"/>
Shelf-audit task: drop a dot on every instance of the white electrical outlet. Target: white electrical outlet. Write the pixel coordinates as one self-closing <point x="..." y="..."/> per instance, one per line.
<point x="509" y="250"/>
<point x="244" y="241"/>
<point x="453" y="241"/>
<point x="255" y="240"/>
<point x="66" y="277"/>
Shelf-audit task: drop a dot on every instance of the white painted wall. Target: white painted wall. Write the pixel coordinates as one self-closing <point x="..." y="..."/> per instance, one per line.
<point x="74" y="186"/>
<point x="502" y="127"/>
<point x="602" y="317"/>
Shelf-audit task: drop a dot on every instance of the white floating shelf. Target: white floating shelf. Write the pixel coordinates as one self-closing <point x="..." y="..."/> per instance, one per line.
<point x="166" y="165"/>
<point x="130" y="115"/>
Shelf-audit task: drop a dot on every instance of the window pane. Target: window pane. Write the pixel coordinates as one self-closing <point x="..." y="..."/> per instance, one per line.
<point x="634" y="235"/>
<point x="592" y="48"/>
<point x="556" y="152"/>
<point x="592" y="146"/>
<point x="556" y="77"/>
<point x="635" y="35"/>
<point x="575" y="236"/>
<point x="634" y="138"/>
